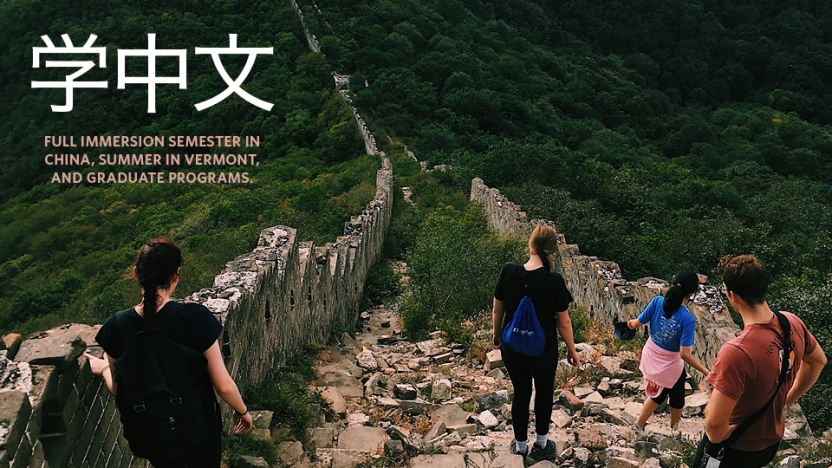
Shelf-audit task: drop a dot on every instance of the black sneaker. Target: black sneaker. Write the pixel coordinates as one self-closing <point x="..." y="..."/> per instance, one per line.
<point x="513" y="449"/>
<point x="539" y="453"/>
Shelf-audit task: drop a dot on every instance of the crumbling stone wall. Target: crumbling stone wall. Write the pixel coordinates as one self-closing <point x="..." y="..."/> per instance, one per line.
<point x="311" y="40"/>
<point x="287" y="293"/>
<point x="272" y="301"/>
<point x="599" y="286"/>
<point x="53" y="411"/>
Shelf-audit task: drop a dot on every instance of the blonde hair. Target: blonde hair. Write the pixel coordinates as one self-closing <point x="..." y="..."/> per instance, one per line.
<point x="543" y="243"/>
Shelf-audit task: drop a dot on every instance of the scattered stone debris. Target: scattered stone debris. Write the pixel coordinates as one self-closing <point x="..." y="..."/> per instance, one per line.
<point x="425" y="411"/>
<point x="429" y="404"/>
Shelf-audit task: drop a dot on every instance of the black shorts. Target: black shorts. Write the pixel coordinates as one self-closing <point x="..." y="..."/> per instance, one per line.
<point x="677" y="393"/>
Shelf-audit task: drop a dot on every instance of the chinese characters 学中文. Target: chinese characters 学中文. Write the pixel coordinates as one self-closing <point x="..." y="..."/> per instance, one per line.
<point x="151" y="80"/>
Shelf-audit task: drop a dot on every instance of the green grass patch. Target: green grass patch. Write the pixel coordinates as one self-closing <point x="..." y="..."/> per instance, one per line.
<point x="287" y="394"/>
<point x="251" y="446"/>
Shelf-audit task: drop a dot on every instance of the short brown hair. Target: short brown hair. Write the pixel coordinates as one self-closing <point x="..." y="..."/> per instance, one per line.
<point x="746" y="276"/>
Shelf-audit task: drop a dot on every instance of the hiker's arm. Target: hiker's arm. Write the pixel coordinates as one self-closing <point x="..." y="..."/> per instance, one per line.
<point x="104" y="368"/>
<point x="497" y="323"/>
<point x="227" y="389"/>
<point x="634" y="323"/>
<point x="719" y="409"/>
<point x="565" y="329"/>
<point x="807" y="375"/>
<point x="684" y="352"/>
<point x="109" y="380"/>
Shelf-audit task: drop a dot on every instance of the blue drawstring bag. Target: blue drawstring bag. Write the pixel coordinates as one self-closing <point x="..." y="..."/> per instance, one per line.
<point x="524" y="334"/>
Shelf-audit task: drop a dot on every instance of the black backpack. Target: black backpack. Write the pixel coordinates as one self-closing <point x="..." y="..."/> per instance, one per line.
<point x="164" y="396"/>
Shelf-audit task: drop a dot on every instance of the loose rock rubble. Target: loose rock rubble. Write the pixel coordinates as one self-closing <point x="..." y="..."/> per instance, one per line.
<point x="426" y="405"/>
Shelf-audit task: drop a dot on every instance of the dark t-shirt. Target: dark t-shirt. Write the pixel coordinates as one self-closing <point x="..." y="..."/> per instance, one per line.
<point x="192" y="325"/>
<point x="549" y="296"/>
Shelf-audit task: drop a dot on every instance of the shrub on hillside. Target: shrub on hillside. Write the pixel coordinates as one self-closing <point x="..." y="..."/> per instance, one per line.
<point x="454" y="263"/>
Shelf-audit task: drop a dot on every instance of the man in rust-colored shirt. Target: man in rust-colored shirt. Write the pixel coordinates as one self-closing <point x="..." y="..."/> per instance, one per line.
<point x="747" y="368"/>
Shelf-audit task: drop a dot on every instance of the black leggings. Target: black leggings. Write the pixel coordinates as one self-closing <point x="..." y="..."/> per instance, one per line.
<point x="544" y="384"/>
<point x="677" y="394"/>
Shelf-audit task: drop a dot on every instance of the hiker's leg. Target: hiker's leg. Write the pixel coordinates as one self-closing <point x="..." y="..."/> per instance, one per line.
<point x="675" y="416"/>
<point x="521" y="379"/>
<point x="210" y="450"/>
<point x="646" y="411"/>
<point x="677" y="400"/>
<point x="544" y="384"/>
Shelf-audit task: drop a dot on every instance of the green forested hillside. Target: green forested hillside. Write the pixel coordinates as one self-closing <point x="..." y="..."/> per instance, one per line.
<point x="64" y="248"/>
<point x="658" y="135"/>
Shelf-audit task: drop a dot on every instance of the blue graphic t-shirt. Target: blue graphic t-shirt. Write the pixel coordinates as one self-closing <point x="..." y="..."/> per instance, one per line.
<point x="669" y="333"/>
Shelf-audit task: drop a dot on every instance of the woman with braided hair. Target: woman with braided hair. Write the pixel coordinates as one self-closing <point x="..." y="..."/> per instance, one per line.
<point x="187" y="325"/>
<point x="672" y="332"/>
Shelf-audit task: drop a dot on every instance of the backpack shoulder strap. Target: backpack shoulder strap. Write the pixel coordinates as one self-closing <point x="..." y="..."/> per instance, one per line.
<point x="126" y="326"/>
<point x="785" y="365"/>
<point x="162" y="321"/>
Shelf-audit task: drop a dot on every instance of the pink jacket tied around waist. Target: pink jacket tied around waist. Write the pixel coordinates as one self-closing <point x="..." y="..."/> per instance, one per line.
<point x="660" y="365"/>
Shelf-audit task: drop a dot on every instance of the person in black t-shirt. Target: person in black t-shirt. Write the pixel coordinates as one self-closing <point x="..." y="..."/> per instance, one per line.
<point x="551" y="302"/>
<point x="192" y="325"/>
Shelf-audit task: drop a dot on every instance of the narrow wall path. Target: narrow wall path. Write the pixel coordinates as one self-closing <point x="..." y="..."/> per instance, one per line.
<point x="430" y="404"/>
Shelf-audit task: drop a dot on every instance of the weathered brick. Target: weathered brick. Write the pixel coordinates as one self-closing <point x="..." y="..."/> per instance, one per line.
<point x="44" y="388"/>
<point x="114" y="460"/>
<point x="93" y="390"/>
<point x="110" y="440"/>
<point x="66" y="385"/>
<point x="137" y="462"/>
<point x="14" y="415"/>
<point x="73" y="432"/>
<point x="59" y="450"/>
<point x="100" y="463"/>
<point x="23" y="454"/>
<point x="56" y="425"/>
<point x="38" y="456"/>
<point x="11" y="343"/>
<point x="52" y="425"/>
<point x="72" y="406"/>
<point x="85" y="375"/>
<point x="121" y="441"/>
<point x="94" y="452"/>
<point x="126" y="456"/>
<point x="53" y="450"/>
<point x="82" y="445"/>
<point x="33" y="427"/>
